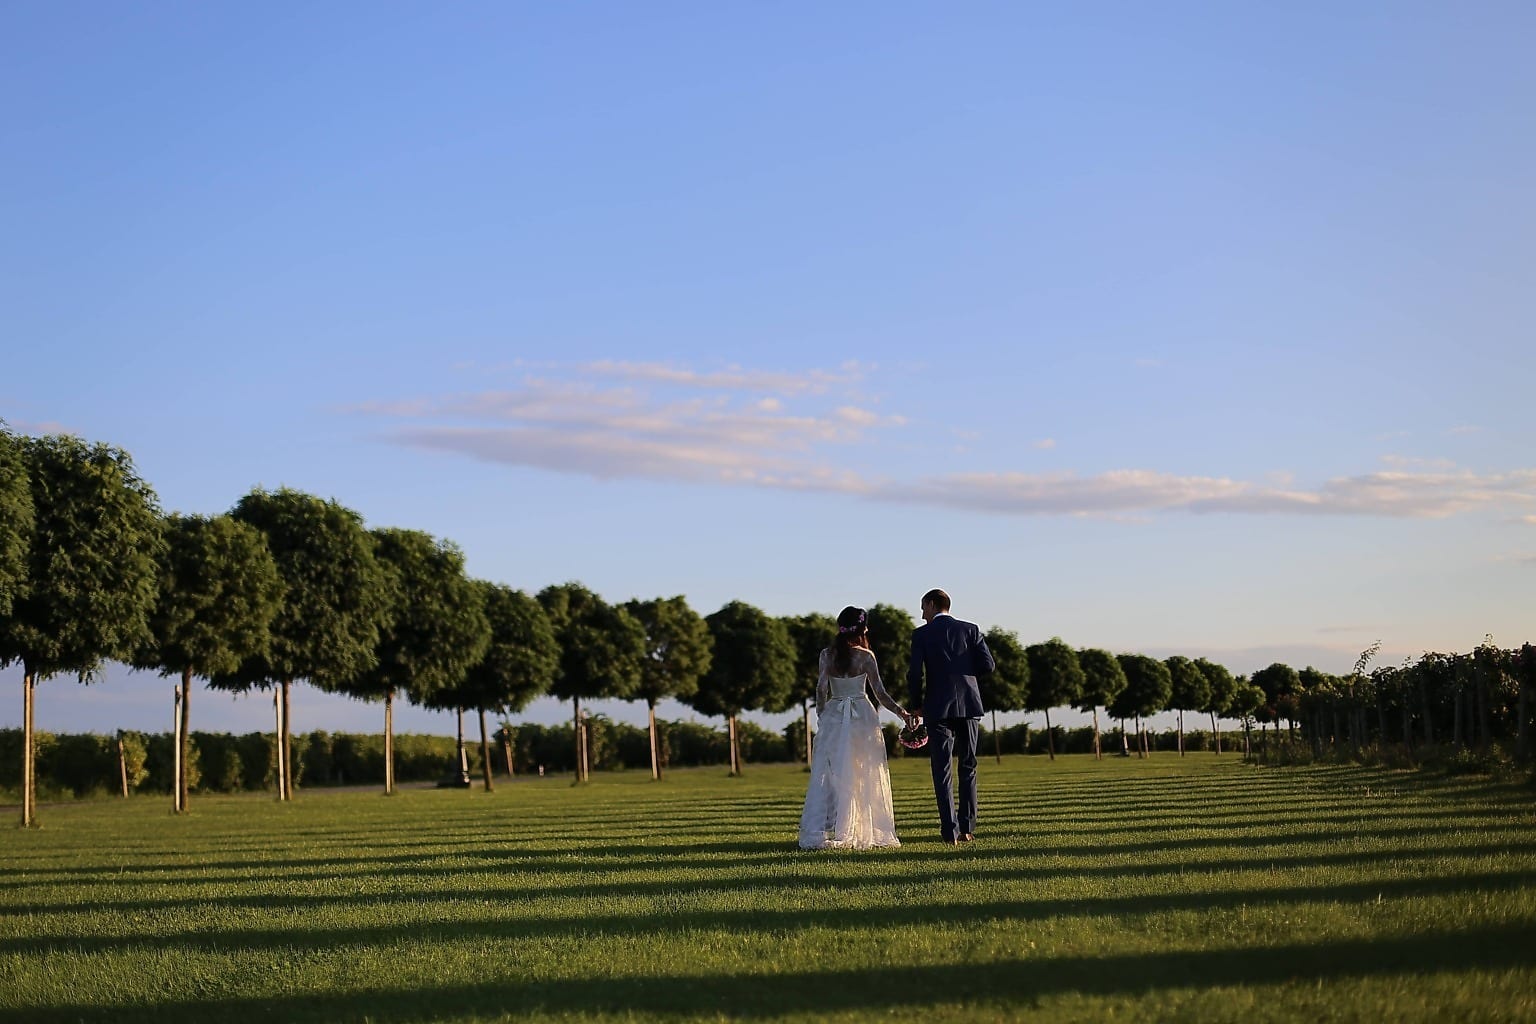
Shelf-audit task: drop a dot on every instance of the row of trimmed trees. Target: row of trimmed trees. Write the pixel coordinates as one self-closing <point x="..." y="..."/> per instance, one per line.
<point x="1130" y="687"/>
<point x="287" y="587"/>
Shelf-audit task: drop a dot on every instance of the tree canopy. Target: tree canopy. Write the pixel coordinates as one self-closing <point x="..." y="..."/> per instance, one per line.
<point x="601" y="645"/>
<point x="334" y="599"/>
<point x="1189" y="690"/>
<point x="1147" y="687"/>
<point x="1103" y="679"/>
<point x="16" y="523"/>
<point x="809" y="635"/>
<point x="753" y="665"/>
<point x="434" y="629"/>
<point x="92" y="563"/>
<point x="219" y="592"/>
<point x="890" y="639"/>
<point x="521" y="658"/>
<point x="678" y="649"/>
<point x="1055" y="678"/>
<point x="1006" y="688"/>
<point x="1221" y="687"/>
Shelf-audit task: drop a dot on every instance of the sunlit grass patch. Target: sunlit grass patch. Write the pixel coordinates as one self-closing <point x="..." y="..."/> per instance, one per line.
<point x="1191" y="889"/>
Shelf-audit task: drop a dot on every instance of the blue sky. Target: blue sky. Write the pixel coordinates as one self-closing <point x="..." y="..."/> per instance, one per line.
<point x="1182" y="328"/>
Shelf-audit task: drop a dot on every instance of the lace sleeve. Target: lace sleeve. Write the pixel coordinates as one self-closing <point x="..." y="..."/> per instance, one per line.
<point x="823" y="684"/>
<point x="872" y="673"/>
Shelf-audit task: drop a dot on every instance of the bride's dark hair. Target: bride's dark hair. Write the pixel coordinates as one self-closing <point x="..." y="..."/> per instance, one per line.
<point x="852" y="629"/>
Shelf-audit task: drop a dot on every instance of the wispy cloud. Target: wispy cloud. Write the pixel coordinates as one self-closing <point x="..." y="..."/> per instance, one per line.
<point x="1465" y="428"/>
<point x="1417" y="462"/>
<point x="782" y="430"/>
<point x="1045" y="443"/>
<point x="733" y="378"/>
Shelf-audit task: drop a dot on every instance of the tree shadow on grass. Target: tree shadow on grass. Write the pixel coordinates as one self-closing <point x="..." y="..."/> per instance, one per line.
<point x="537" y="924"/>
<point x="998" y="986"/>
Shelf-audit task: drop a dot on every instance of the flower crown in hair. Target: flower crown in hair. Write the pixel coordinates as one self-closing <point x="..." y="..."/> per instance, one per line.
<point x="857" y="627"/>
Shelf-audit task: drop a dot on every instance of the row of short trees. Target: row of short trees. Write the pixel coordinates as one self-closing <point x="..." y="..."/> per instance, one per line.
<point x="289" y="587"/>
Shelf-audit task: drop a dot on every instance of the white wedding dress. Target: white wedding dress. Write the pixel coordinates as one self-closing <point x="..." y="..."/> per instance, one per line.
<point x="848" y="801"/>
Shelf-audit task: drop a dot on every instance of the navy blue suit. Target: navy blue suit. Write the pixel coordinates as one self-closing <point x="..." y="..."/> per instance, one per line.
<point x="950" y="653"/>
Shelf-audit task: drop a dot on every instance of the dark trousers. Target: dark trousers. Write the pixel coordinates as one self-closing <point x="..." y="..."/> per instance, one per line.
<point x="950" y="739"/>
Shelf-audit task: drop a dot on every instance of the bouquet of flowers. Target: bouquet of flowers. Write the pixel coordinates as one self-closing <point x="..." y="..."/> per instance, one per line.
<point x="914" y="736"/>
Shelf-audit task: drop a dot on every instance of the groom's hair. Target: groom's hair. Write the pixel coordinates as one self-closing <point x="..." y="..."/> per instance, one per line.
<point x="939" y="599"/>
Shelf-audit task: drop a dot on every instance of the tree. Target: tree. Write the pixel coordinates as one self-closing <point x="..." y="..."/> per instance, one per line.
<point x="1189" y="690"/>
<point x="16" y="521"/>
<point x="890" y="640"/>
<point x="678" y="651"/>
<point x="432" y="633"/>
<point x="219" y="592"/>
<point x="91" y="573"/>
<point x="1103" y="681"/>
<point x="753" y="667"/>
<point x="335" y="598"/>
<point x="1221" y="687"/>
<point x="518" y="665"/>
<point x="1147" y="688"/>
<point x="1247" y="699"/>
<point x="809" y="635"/>
<point x="1055" y="680"/>
<point x="601" y="649"/>
<point x="1005" y="688"/>
<point x="1280" y="684"/>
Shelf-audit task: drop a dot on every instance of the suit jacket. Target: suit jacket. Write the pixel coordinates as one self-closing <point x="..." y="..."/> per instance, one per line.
<point x="951" y="653"/>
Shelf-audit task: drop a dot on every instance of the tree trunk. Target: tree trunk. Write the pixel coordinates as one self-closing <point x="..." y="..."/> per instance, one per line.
<point x="735" y="751"/>
<point x="186" y="735"/>
<point x="506" y="748"/>
<point x="1050" y="735"/>
<point x="26" y="748"/>
<point x="287" y="742"/>
<point x="1098" y="755"/>
<point x="485" y="754"/>
<point x="277" y="740"/>
<point x="997" y="739"/>
<point x="122" y="763"/>
<point x="176" y="750"/>
<point x="1181" y="732"/>
<point x="1141" y="741"/>
<point x="577" y="737"/>
<point x="389" y="742"/>
<point x="463" y="754"/>
<point x="1216" y="730"/>
<point x="1125" y="742"/>
<point x="655" y="751"/>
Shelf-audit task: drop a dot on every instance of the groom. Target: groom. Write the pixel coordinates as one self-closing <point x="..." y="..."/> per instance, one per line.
<point x="952" y="653"/>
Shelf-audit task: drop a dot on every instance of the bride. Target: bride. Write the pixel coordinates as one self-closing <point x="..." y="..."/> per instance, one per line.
<point x="848" y="802"/>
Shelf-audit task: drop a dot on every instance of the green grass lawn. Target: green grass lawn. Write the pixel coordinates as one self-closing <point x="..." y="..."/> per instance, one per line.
<point x="1198" y="889"/>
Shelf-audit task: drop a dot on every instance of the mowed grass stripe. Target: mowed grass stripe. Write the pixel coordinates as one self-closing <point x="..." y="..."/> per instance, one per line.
<point x="1096" y="887"/>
